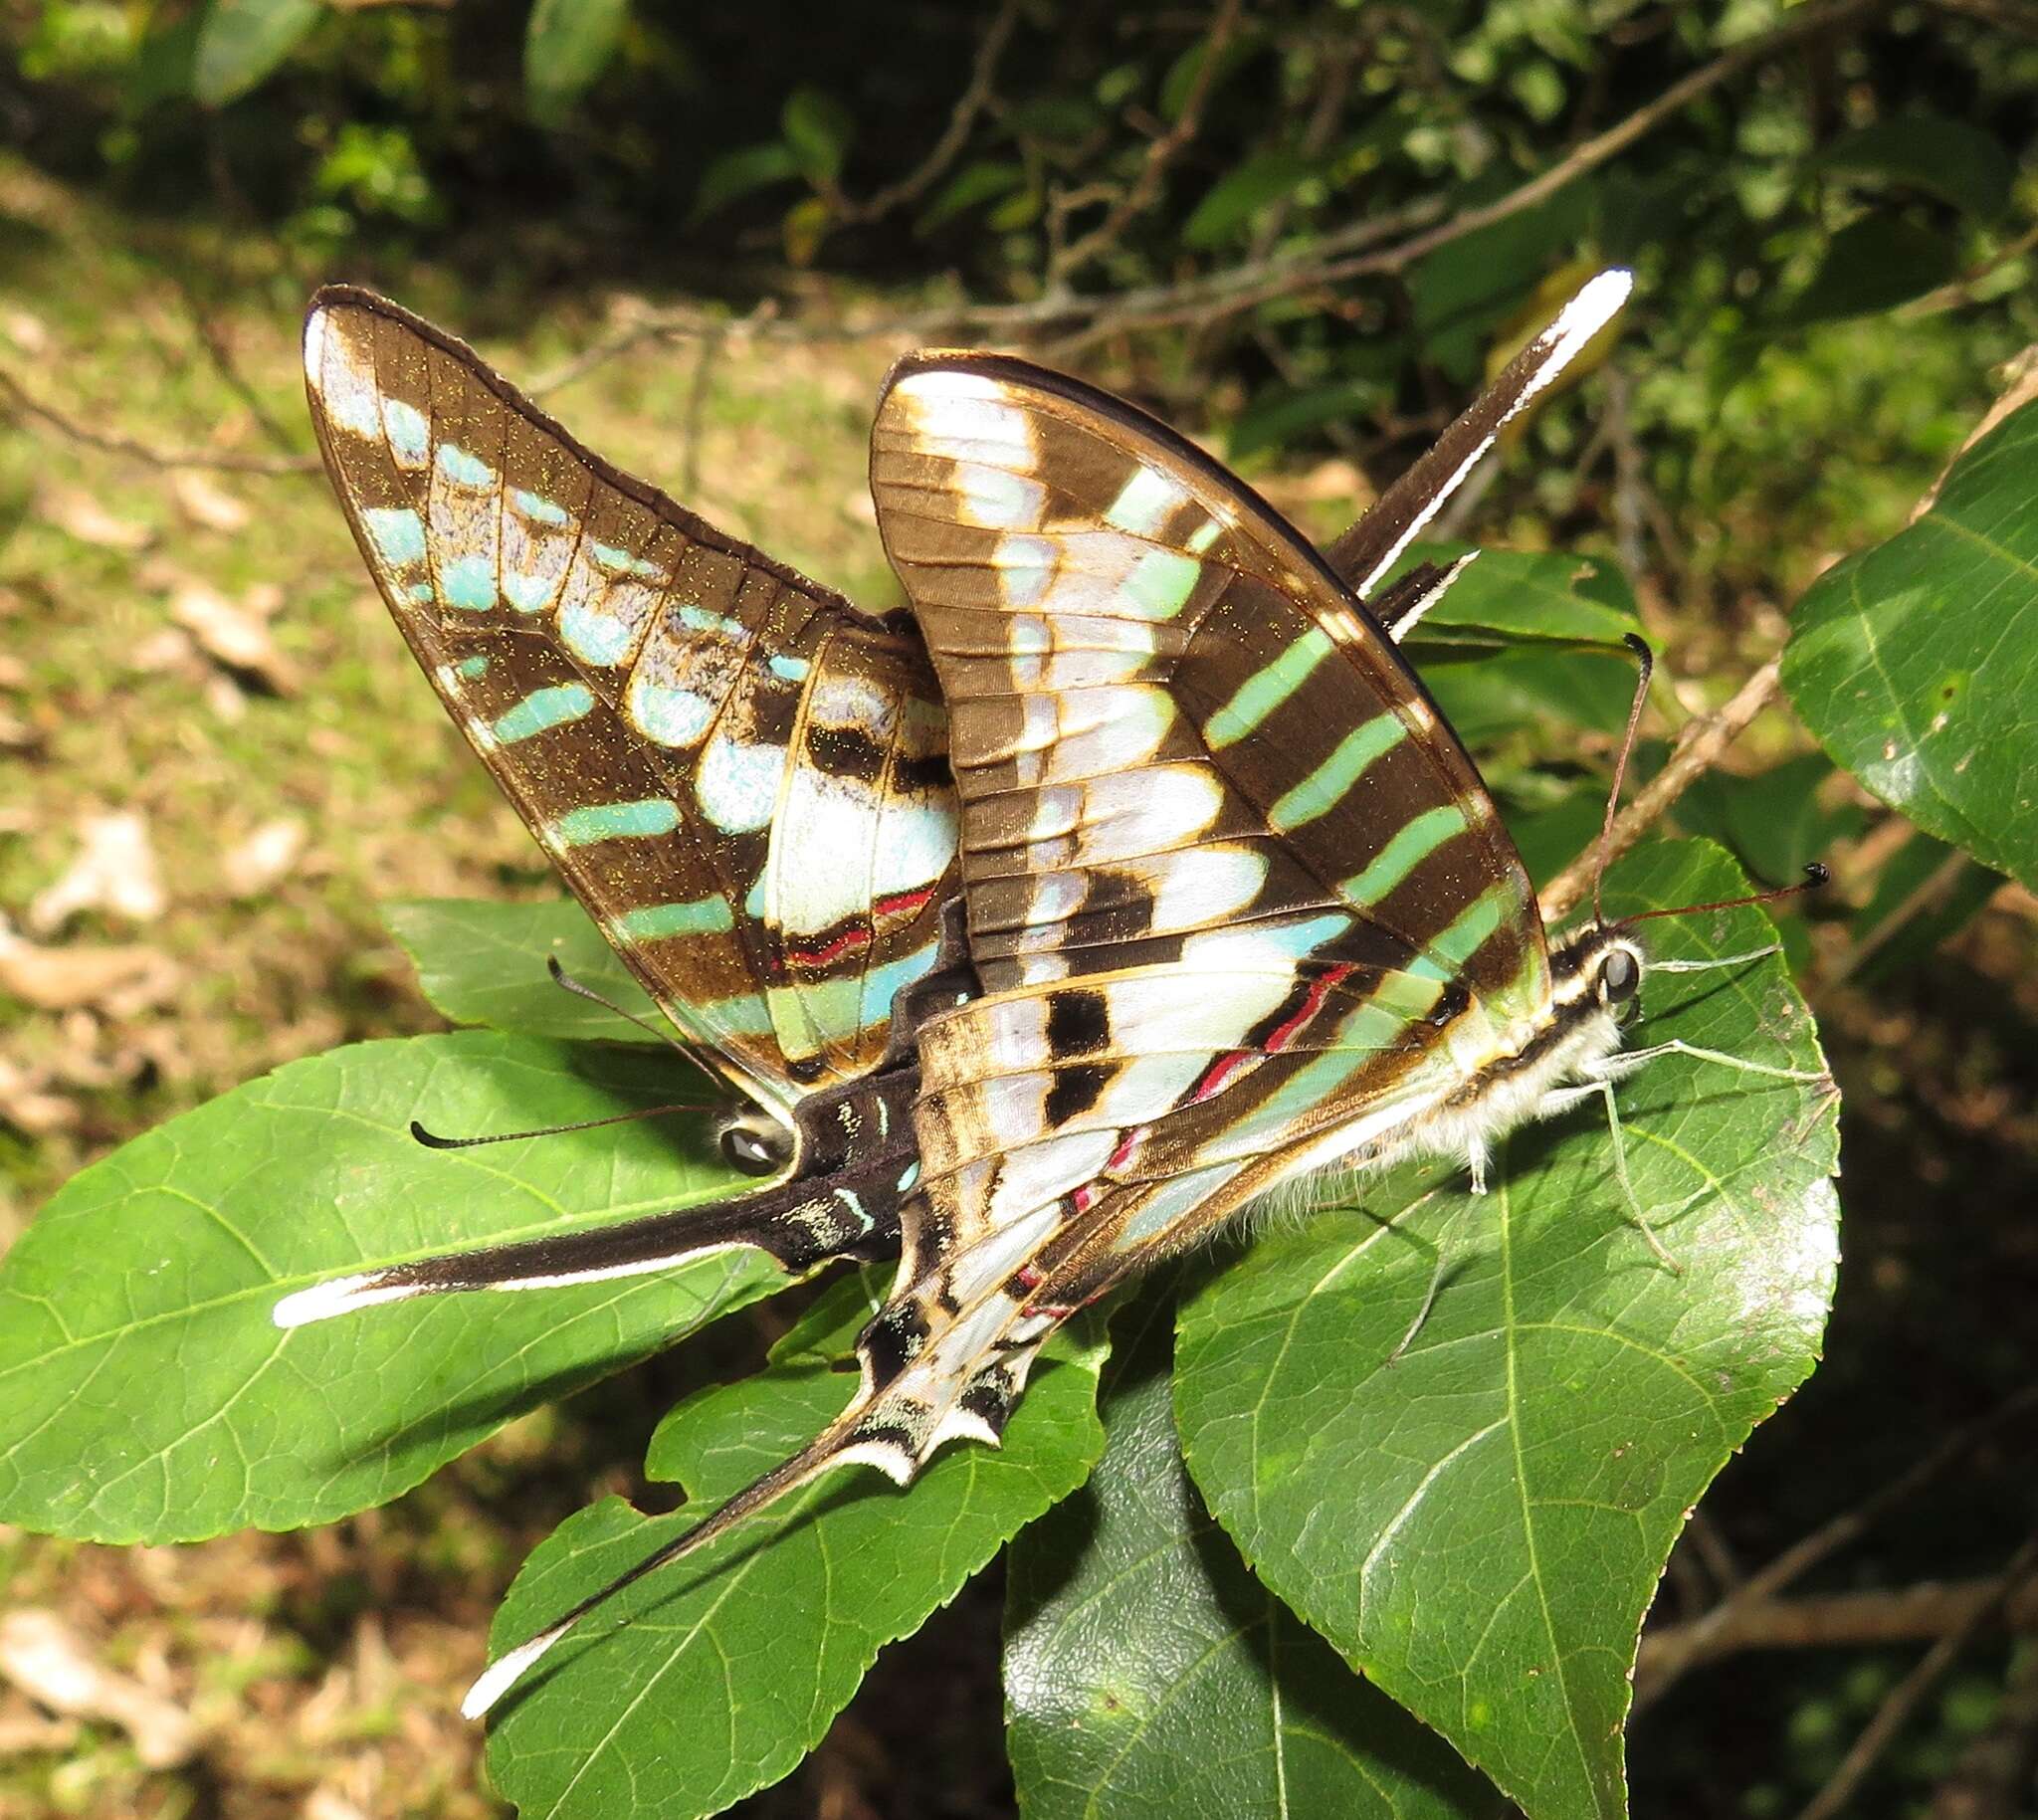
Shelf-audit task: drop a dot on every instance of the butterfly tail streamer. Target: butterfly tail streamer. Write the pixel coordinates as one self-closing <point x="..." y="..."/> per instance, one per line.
<point x="827" y="1451"/>
<point x="801" y="1223"/>
<point x="1371" y="547"/>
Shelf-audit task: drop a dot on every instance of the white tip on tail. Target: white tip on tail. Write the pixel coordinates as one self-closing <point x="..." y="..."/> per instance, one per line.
<point x="501" y="1676"/>
<point x="342" y="1295"/>
<point x="1576" y="323"/>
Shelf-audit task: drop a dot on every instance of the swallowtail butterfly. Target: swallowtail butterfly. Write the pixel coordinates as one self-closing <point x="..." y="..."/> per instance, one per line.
<point x="742" y="775"/>
<point x="1236" y="905"/>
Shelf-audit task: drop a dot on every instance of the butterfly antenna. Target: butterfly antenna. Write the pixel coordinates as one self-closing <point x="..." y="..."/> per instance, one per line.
<point x="432" y="1140"/>
<point x="1815" y="876"/>
<point x="582" y="989"/>
<point x="1646" y="660"/>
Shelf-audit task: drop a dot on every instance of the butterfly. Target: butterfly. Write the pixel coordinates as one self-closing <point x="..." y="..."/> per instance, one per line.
<point x="1239" y="905"/>
<point x="741" y="774"/>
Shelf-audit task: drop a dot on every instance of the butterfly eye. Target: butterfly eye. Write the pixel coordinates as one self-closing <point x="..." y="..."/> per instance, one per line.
<point x="752" y="1151"/>
<point x="1619" y="976"/>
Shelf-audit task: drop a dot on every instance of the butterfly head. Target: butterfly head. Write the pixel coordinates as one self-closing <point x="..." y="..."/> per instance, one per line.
<point x="1599" y="971"/>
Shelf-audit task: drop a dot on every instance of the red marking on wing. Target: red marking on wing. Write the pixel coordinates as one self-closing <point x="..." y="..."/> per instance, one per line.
<point x="833" y="949"/>
<point x="1229" y="1064"/>
<point x="906" y="902"/>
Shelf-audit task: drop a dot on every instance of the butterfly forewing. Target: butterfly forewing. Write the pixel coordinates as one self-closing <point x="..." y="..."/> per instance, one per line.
<point x="733" y="769"/>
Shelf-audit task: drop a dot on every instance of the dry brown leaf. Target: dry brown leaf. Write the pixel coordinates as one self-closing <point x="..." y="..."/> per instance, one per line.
<point x="116" y="980"/>
<point x="168" y="649"/>
<point x="52" y="1663"/>
<point x="206" y="505"/>
<point x="115" y="871"/>
<point x="267" y="856"/>
<point x="232" y="636"/>
<point x="79" y="513"/>
<point x="27" y="1105"/>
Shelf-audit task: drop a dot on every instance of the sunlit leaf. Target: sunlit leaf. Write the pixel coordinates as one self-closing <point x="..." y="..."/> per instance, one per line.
<point x="241" y="41"/>
<point x="1458" y="1434"/>
<point x="481" y="962"/>
<point x="1916" y="663"/>
<point x="566" y="45"/>
<point x="714" y="1676"/>
<point x="146" y="1394"/>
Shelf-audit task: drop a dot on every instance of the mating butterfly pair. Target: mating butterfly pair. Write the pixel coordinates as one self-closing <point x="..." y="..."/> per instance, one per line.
<point x="1128" y="873"/>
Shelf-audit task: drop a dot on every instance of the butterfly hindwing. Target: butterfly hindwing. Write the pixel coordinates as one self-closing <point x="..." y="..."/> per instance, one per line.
<point x="1167" y="715"/>
<point x="688" y="728"/>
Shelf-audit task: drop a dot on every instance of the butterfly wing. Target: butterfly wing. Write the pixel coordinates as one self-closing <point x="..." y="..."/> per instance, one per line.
<point x="740" y="775"/>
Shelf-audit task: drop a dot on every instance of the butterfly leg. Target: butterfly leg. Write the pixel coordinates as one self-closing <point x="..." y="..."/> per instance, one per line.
<point x="1564" y="1097"/>
<point x="1615" y="1067"/>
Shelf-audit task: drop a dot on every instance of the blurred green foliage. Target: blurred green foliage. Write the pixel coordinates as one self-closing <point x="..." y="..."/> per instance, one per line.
<point x="1776" y="221"/>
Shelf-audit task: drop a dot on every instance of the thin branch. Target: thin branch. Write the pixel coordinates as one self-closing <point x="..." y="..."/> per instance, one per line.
<point x="948" y="147"/>
<point x="696" y="409"/>
<point x="1850" y="1620"/>
<point x="24" y="404"/>
<point x="1929" y="894"/>
<point x="229" y="368"/>
<point x="1904" y="1697"/>
<point x="1160" y="153"/>
<point x="1698" y="748"/>
<point x="1690" y="1643"/>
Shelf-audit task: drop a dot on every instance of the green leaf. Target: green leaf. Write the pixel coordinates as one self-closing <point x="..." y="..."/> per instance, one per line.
<point x="242" y="41"/>
<point x="1183" y="73"/>
<point x="1870" y="266"/>
<point x="1916" y="663"/>
<point x="1459" y="1435"/>
<point x="1148" y="1673"/>
<point x="1523" y="595"/>
<point x="1966" y="165"/>
<point x="736" y="174"/>
<point x="480" y="962"/>
<point x="146" y="1394"/>
<point x="568" y="44"/>
<point x="1466" y="289"/>
<point x="1241" y="193"/>
<point x="818" y="130"/>
<point x="1284" y="414"/>
<point x="714" y="1675"/>
<point x="971" y="185"/>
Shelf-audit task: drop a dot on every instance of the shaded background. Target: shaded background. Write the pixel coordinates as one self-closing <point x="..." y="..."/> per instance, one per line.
<point x="1302" y="232"/>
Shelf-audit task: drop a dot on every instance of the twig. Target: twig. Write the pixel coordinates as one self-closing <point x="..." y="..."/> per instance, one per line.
<point x="1851" y="1620"/>
<point x="954" y="136"/>
<point x="1903" y="1699"/>
<point x="1587" y="156"/>
<point x="697" y="408"/>
<point x="229" y="368"/>
<point x="25" y="404"/>
<point x="1160" y="153"/>
<point x="1697" y="747"/>
<point x="1690" y="1643"/>
<point x="1929" y="894"/>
